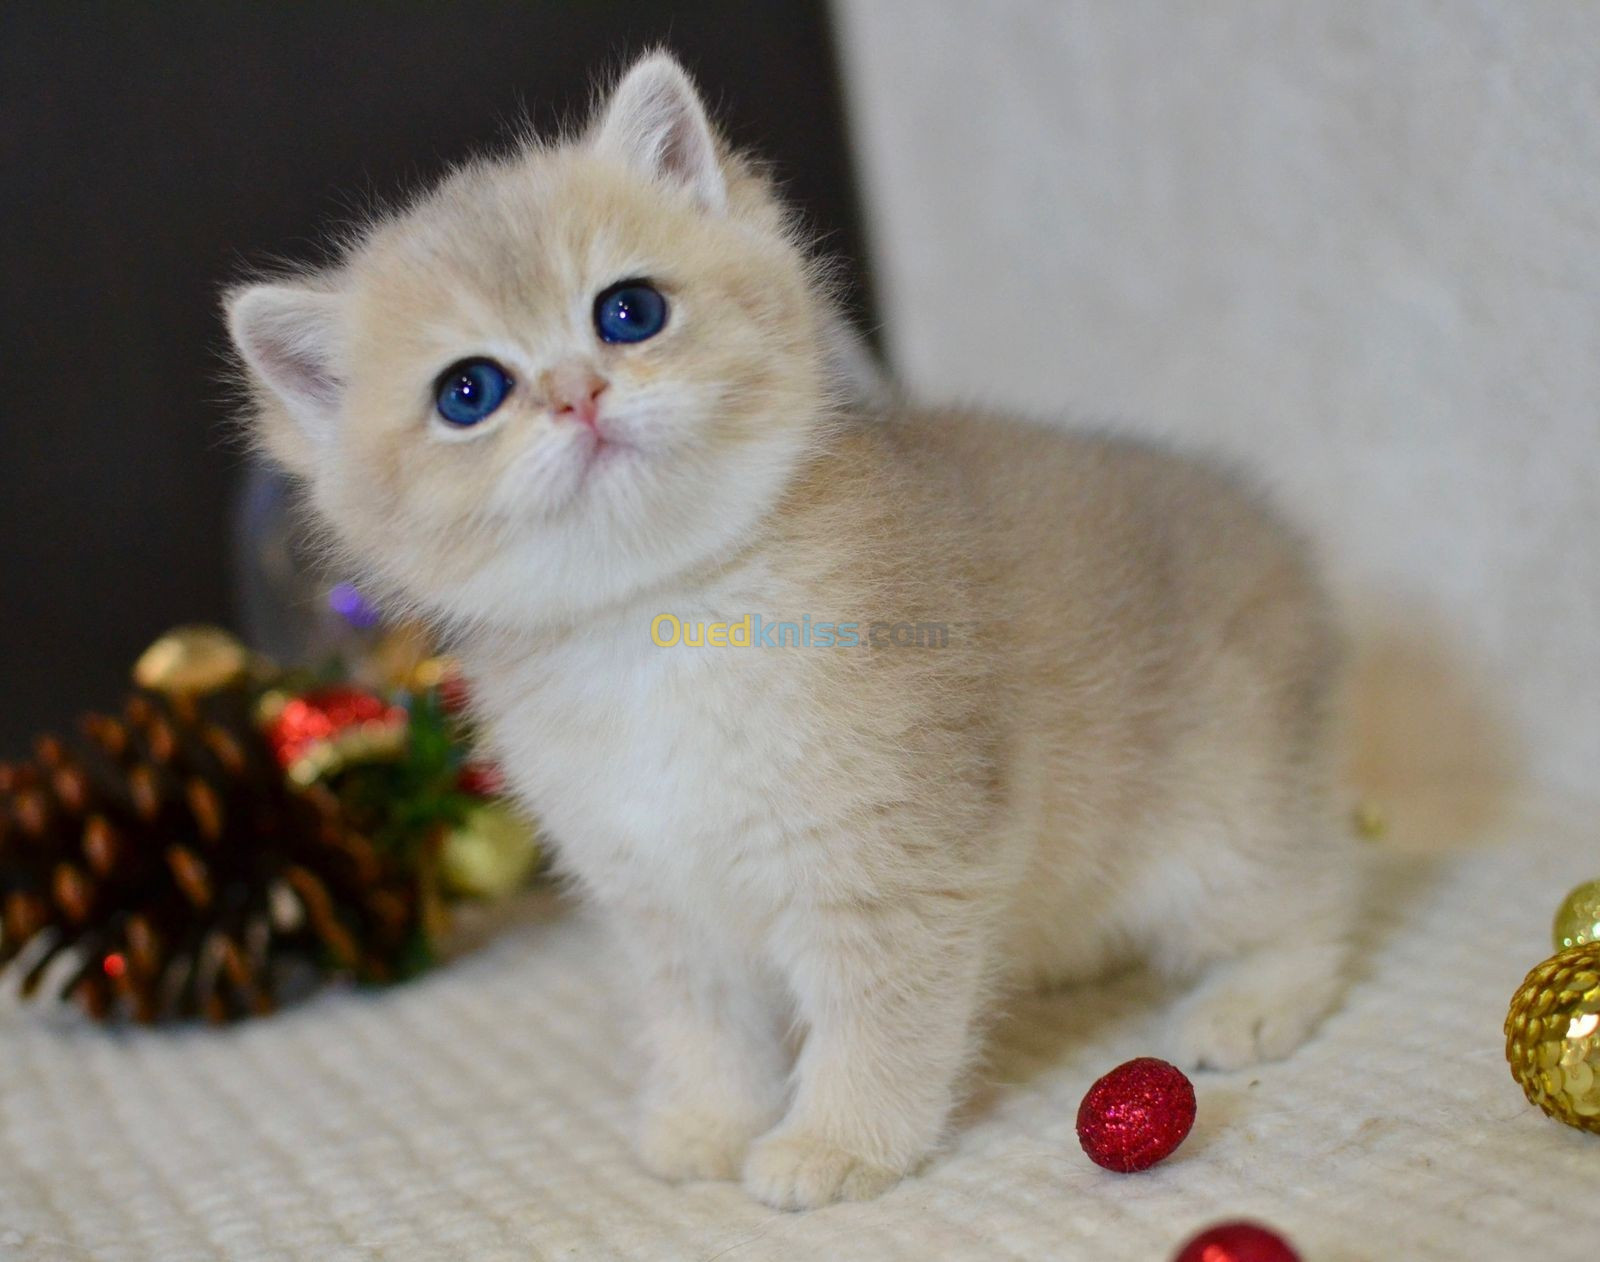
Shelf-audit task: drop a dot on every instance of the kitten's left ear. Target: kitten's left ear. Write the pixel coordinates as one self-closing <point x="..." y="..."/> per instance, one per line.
<point x="656" y="124"/>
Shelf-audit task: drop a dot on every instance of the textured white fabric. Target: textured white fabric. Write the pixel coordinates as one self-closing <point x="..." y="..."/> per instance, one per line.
<point x="1353" y="241"/>
<point x="481" y="1112"/>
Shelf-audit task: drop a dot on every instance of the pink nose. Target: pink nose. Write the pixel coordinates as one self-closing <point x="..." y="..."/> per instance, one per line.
<point x="574" y="394"/>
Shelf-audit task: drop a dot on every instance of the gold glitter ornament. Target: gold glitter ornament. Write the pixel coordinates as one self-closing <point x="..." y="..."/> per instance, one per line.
<point x="492" y="852"/>
<point x="192" y="661"/>
<point x="1553" y="1036"/>
<point x="1578" y="919"/>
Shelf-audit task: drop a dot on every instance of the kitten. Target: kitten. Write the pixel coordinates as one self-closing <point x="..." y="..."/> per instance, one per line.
<point x="595" y="382"/>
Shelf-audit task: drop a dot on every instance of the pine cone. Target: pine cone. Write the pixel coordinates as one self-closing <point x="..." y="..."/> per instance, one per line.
<point x="166" y="852"/>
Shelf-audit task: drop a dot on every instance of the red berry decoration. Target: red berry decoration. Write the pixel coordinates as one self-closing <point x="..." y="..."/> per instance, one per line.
<point x="1136" y="1115"/>
<point x="1237" y="1242"/>
<point x="454" y="692"/>
<point x="482" y="779"/>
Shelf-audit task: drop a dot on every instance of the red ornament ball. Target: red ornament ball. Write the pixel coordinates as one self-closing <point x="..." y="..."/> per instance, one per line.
<point x="1136" y="1115"/>
<point x="1237" y="1242"/>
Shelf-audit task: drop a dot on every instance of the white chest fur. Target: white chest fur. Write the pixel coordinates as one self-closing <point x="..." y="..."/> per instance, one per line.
<point x="675" y="776"/>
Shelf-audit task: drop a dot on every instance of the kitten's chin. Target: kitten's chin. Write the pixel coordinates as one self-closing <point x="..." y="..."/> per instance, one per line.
<point x="609" y="524"/>
<point x="557" y="577"/>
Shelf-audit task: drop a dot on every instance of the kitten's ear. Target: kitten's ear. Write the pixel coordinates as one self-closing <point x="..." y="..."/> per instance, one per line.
<point x="290" y="335"/>
<point x="656" y="123"/>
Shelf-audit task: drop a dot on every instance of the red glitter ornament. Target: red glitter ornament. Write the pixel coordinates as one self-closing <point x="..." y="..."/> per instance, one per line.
<point x="1237" y="1242"/>
<point x="323" y="729"/>
<point x="1136" y="1115"/>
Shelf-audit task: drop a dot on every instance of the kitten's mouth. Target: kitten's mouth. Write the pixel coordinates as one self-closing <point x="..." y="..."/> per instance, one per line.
<point x="600" y="448"/>
<point x="602" y="443"/>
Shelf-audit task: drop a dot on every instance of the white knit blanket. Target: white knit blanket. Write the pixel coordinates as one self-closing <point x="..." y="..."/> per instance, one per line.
<point x="481" y="1113"/>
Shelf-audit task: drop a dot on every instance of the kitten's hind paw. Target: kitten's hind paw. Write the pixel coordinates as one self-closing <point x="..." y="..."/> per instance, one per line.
<point x="801" y="1171"/>
<point x="682" y="1145"/>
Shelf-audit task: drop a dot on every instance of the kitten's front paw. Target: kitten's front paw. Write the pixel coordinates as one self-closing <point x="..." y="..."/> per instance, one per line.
<point x="803" y="1171"/>
<point x="682" y="1144"/>
<point x="1243" y="1020"/>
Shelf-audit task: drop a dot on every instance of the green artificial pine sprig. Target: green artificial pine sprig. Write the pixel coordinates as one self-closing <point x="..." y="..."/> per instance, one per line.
<point x="404" y="803"/>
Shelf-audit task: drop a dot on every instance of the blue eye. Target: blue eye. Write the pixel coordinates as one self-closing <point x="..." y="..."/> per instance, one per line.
<point x="629" y="312"/>
<point x="470" y="391"/>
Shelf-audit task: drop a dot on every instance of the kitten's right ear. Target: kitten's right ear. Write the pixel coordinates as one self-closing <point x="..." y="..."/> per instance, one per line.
<point x="289" y="336"/>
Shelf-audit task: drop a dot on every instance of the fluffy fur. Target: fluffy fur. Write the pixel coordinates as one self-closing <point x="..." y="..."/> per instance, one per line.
<point x="822" y="863"/>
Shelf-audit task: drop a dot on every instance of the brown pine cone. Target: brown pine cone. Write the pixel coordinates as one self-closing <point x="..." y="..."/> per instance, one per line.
<point x="159" y="866"/>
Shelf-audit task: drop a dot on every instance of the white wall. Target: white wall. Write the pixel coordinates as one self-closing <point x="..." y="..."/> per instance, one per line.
<point x="1356" y="240"/>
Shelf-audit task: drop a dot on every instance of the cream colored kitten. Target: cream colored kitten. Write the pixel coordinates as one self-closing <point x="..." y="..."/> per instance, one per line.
<point x="1120" y="752"/>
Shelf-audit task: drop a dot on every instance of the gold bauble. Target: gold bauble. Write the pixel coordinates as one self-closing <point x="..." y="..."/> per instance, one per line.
<point x="431" y="672"/>
<point x="192" y="661"/>
<point x="491" y="852"/>
<point x="1578" y="919"/>
<point x="1553" y="1037"/>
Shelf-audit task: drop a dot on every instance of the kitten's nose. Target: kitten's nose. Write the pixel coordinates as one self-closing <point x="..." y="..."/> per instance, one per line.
<point x="573" y="392"/>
